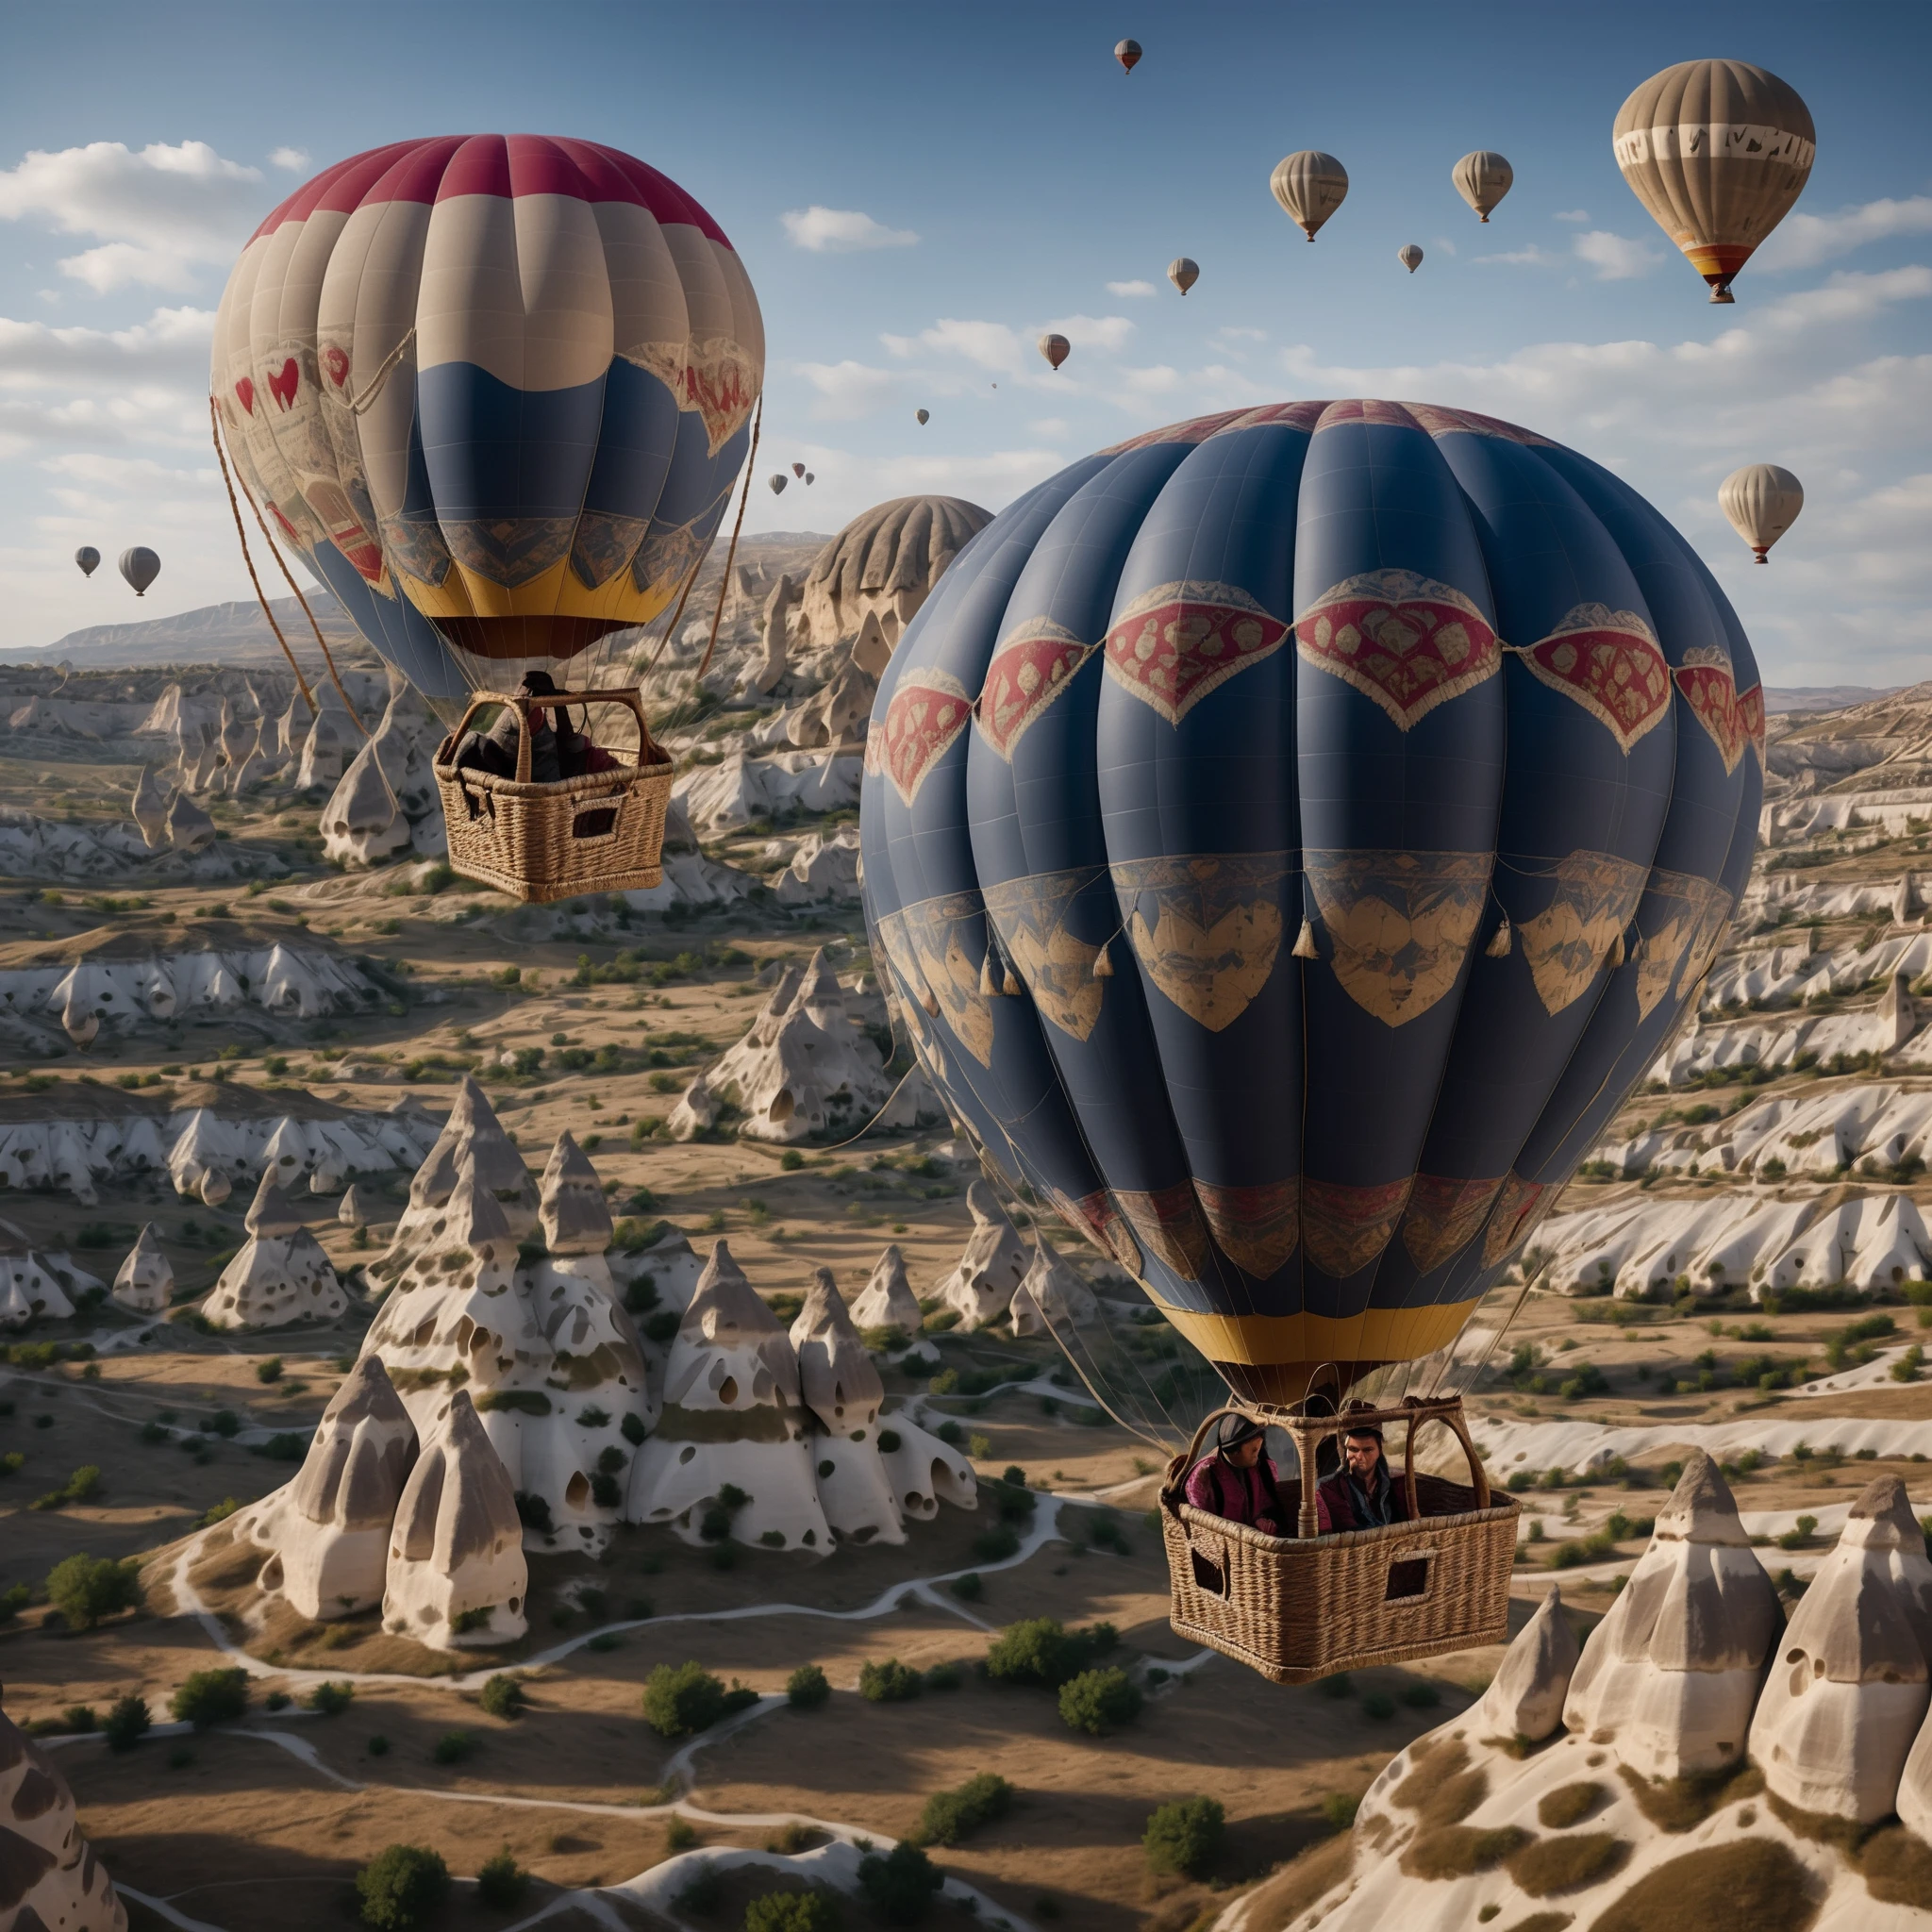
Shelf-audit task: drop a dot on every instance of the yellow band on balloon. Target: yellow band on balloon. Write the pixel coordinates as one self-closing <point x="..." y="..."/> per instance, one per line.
<point x="1385" y="1335"/>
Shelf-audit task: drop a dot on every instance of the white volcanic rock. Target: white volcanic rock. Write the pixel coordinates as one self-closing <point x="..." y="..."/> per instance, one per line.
<point x="887" y="1300"/>
<point x="189" y="828"/>
<point x="770" y="668"/>
<point x="732" y="1415"/>
<point x="842" y="1389"/>
<point x="1053" y="1295"/>
<point x="722" y="798"/>
<point x="572" y="1208"/>
<point x="361" y="1206"/>
<point x="925" y="1471"/>
<point x="321" y="762"/>
<point x="1672" y="1671"/>
<point x="696" y="1113"/>
<point x="50" y="1880"/>
<point x="802" y="1068"/>
<point x="1849" y="1690"/>
<point x="330" y="1528"/>
<point x="992" y="1264"/>
<point x="281" y="1275"/>
<point x="361" y="824"/>
<point x="821" y="869"/>
<point x="291" y="728"/>
<point x="145" y="1282"/>
<point x="669" y="1269"/>
<point x="1526" y="1696"/>
<point x="456" y="1573"/>
<point x="472" y="1139"/>
<point x="404" y="742"/>
<point x="886" y="561"/>
<point x="35" y="1286"/>
<point x="150" y="809"/>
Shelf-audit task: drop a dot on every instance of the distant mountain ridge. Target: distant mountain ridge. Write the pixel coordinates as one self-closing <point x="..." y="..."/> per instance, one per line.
<point x="1779" y="699"/>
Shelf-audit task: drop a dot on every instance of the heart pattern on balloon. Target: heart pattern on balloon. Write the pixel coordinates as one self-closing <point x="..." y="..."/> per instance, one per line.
<point x="927" y="713"/>
<point x="1401" y="639"/>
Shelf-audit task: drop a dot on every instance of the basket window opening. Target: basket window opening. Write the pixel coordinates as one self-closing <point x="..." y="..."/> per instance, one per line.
<point x="1407" y="1579"/>
<point x="1209" y="1577"/>
<point x="595" y="824"/>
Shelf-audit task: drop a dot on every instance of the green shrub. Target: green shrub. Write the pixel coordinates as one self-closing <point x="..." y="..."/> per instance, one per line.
<point x="453" y="1747"/>
<point x="86" y="1588"/>
<point x="15" y="1600"/>
<point x="85" y="1482"/>
<point x="807" y="1688"/>
<point x="1042" y="1651"/>
<point x="683" y="1699"/>
<point x="1098" y="1701"/>
<point x="995" y="1545"/>
<point x="1183" y="1837"/>
<point x="969" y="1589"/>
<point x="950" y="1815"/>
<point x="210" y="1697"/>
<point x="331" y="1700"/>
<point x="891" y="1682"/>
<point x="502" y="1697"/>
<point x="80" y="1720"/>
<point x="400" y="1887"/>
<point x="500" y="1881"/>
<point x="794" y="1911"/>
<point x="268" y="1371"/>
<point x="128" y="1724"/>
<point x="901" y="1884"/>
<point x="1378" y="1705"/>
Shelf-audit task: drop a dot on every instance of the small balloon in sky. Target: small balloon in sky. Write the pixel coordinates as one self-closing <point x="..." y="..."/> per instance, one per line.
<point x="1309" y="186"/>
<point x="809" y="478"/>
<point x="925" y="417"/>
<point x="141" y="567"/>
<point x="1184" y="271"/>
<point x="779" y="480"/>
<point x="1409" y="256"/>
<point x="1054" y="348"/>
<point x="1763" y="501"/>
<point x="89" y="560"/>
<point x="1129" y="54"/>
<point x="1482" y="179"/>
<point x="798" y="469"/>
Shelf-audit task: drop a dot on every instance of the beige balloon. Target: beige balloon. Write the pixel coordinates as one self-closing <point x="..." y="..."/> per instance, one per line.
<point x="1763" y="501"/>
<point x="1310" y="186"/>
<point x="1717" y="151"/>
<point x="1409" y="256"/>
<point x="1054" y="348"/>
<point x="1184" y="271"/>
<point x="1482" y="179"/>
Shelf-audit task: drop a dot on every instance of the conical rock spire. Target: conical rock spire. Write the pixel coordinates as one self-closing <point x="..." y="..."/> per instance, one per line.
<point x="145" y="1281"/>
<point x="1053" y="1295"/>
<point x="887" y="1300"/>
<point x="990" y="1266"/>
<point x="1525" y="1697"/>
<point x="50" y="1880"/>
<point x="575" y="1217"/>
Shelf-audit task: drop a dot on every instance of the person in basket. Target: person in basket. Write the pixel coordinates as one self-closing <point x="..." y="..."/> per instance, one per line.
<point x="1236" y="1481"/>
<point x="1361" y="1495"/>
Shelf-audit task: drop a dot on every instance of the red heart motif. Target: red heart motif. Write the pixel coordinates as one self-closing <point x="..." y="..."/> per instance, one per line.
<point x="282" y="386"/>
<point x="337" y="362"/>
<point x="245" y="391"/>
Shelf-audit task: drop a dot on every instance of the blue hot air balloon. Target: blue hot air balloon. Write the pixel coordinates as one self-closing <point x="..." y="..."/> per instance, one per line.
<point x="1290" y="835"/>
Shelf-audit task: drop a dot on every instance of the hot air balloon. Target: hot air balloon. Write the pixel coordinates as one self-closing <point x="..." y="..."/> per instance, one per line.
<point x="1183" y="272"/>
<point x="1717" y="151"/>
<point x="496" y="390"/>
<point x="1762" y="501"/>
<point x="1482" y="179"/>
<point x="89" y="560"/>
<point x="924" y="416"/>
<point x="1054" y="348"/>
<point x="141" y="567"/>
<point x="809" y="478"/>
<point x="1310" y="186"/>
<point x="798" y="469"/>
<point x="1129" y="54"/>
<point x="778" y="481"/>
<point x="1409" y="256"/>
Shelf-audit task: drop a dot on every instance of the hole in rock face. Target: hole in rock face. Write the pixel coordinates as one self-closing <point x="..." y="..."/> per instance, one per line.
<point x="685" y="1453"/>
<point x="783" y="1105"/>
<point x="516" y="1607"/>
<point x="728" y="1389"/>
<point x="578" y="1491"/>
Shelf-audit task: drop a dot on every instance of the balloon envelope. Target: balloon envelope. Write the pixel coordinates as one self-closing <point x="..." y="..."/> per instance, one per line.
<point x="1054" y="348"/>
<point x="1482" y="179"/>
<point x="1183" y="272"/>
<point x="1762" y="501"/>
<point x="778" y="481"/>
<point x="1717" y="151"/>
<point x="1215" y="742"/>
<point x="1129" y="54"/>
<point x="89" y="560"/>
<point x="809" y="478"/>
<point x="1310" y="186"/>
<point x="496" y="389"/>
<point x="1409" y="256"/>
<point x="141" y="567"/>
<point x="798" y="469"/>
<point x="925" y="417"/>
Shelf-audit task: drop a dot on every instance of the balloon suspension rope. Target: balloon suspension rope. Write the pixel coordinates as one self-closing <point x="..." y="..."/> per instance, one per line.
<point x="241" y="531"/>
<point x="321" y="644"/>
<point x="757" y="421"/>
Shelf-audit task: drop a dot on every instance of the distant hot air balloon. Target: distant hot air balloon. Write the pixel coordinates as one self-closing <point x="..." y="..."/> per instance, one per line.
<point x="1717" y="151"/>
<point x="89" y="560"/>
<point x="1409" y="256"/>
<point x="779" y="480"/>
<point x="1129" y="54"/>
<point x="925" y="417"/>
<point x="1482" y="179"/>
<point x="1310" y="186"/>
<point x="1184" y="271"/>
<point x="141" y="567"/>
<point x="809" y="478"/>
<point x="798" y="469"/>
<point x="1762" y="501"/>
<point x="1054" y="348"/>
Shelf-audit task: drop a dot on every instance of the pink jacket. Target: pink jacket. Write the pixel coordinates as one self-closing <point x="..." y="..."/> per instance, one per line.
<point x="1241" y="1495"/>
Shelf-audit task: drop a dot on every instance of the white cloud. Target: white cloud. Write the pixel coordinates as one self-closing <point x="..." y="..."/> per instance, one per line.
<point x="1233" y="334"/>
<point x="991" y="345"/>
<point x="1127" y="288"/>
<point x="1160" y="380"/>
<point x="291" y="159"/>
<point x="1443" y="243"/>
<point x="1573" y="214"/>
<point x="1051" y="427"/>
<point x="1615" y="257"/>
<point x="1806" y="240"/>
<point x="162" y="212"/>
<point x="849" y="389"/>
<point x="1094" y="331"/>
<point x="1850" y="297"/>
<point x="172" y="343"/>
<point x="1530" y="256"/>
<point x="842" y="230"/>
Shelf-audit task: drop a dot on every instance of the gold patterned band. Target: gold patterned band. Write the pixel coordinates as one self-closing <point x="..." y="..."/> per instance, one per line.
<point x="1308" y="1341"/>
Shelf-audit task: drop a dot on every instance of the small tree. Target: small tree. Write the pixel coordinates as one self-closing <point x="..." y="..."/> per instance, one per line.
<point x="331" y="1700"/>
<point x="794" y="1911"/>
<point x="949" y="1816"/>
<point x="891" y="1682"/>
<point x="901" y="1884"/>
<point x="1042" y="1651"/>
<point x="500" y="1881"/>
<point x="400" y="1887"/>
<point x="1098" y="1701"/>
<point x="1184" y="1835"/>
<point x="503" y="1697"/>
<point x="127" y="1722"/>
<point x="807" y="1688"/>
<point x="86" y="1588"/>
<point x="210" y="1697"/>
<point x="682" y="1700"/>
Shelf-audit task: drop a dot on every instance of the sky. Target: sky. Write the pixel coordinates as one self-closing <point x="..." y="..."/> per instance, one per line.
<point x="918" y="192"/>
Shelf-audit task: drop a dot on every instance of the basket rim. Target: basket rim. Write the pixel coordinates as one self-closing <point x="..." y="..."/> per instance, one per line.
<point x="623" y="776"/>
<point x="1185" y="1512"/>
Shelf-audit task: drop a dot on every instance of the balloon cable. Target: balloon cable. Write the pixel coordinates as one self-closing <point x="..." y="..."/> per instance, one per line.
<point x="235" y="510"/>
<point x="731" y="555"/>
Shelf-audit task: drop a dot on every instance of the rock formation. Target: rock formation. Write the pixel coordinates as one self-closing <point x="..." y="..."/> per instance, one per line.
<point x="991" y="1267"/>
<point x="50" y="1880"/>
<point x="150" y="809"/>
<point x="886" y="561"/>
<point x="361" y="1206"/>
<point x="1525" y="1697"/>
<point x="330" y="1528"/>
<point x="771" y="667"/>
<point x="281" y="1274"/>
<point x="843" y="1390"/>
<point x="361" y="824"/>
<point x="145" y="1281"/>
<point x="189" y="828"/>
<point x="321" y="762"/>
<point x="35" y="1286"/>
<point x="888" y="1301"/>
<point x="1053" y="1295"/>
<point x="456" y="1574"/>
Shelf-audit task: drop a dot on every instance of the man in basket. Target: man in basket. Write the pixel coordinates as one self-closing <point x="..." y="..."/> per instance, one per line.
<point x="1238" y="1481"/>
<point x="556" y="751"/>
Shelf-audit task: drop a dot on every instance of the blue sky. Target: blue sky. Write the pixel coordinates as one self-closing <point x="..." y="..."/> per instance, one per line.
<point x="1007" y="176"/>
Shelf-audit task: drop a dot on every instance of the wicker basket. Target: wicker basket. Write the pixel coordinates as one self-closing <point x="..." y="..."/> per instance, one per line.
<point x="1300" y="1607"/>
<point x="603" y="832"/>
